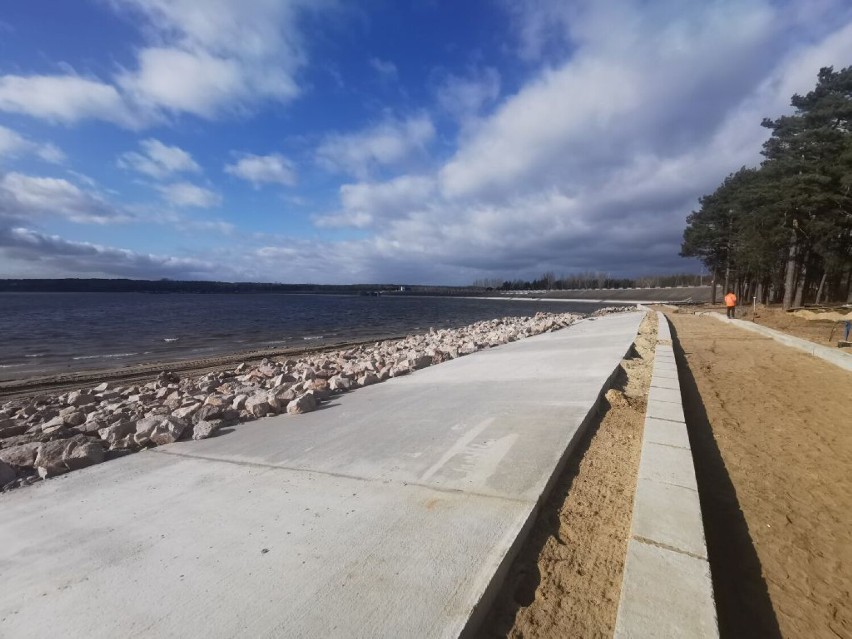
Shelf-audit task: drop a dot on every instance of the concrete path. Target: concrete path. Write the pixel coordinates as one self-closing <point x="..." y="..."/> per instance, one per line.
<point x="392" y="512"/>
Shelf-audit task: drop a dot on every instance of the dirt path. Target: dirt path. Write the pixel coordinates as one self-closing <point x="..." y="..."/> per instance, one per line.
<point x="826" y="333"/>
<point x="771" y="432"/>
<point x="566" y="581"/>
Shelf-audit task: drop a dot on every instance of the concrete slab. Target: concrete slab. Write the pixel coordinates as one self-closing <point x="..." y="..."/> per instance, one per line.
<point x="392" y="512"/>
<point x="670" y="383"/>
<point x="665" y="410"/>
<point x="667" y="374"/>
<point x="665" y="594"/>
<point x="667" y="464"/>
<point x="669" y="516"/>
<point x="658" y="431"/>
<point x="670" y="395"/>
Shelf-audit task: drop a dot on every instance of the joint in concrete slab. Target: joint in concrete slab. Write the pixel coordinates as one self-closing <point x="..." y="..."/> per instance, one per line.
<point x="651" y="542"/>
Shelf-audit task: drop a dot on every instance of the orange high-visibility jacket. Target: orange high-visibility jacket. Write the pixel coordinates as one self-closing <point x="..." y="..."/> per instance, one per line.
<point x="730" y="300"/>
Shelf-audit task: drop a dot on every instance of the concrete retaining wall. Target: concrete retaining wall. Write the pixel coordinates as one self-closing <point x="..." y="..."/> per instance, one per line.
<point x="667" y="590"/>
<point x="829" y="354"/>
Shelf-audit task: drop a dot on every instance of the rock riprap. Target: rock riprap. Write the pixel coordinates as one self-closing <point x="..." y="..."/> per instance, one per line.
<point x="49" y="435"/>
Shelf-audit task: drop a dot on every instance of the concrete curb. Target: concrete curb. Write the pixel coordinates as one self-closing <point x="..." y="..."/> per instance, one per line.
<point x="830" y="355"/>
<point x="667" y="590"/>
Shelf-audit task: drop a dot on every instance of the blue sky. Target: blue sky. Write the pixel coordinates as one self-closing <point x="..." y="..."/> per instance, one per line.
<point x="380" y="141"/>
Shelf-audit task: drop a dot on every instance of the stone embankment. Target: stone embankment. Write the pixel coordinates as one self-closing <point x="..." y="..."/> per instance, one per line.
<point x="50" y="435"/>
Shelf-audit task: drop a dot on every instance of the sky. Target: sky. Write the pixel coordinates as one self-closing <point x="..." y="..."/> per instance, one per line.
<point x="383" y="141"/>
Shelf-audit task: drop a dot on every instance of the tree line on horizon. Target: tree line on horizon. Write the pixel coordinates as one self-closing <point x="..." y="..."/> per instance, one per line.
<point x="782" y="231"/>
<point x="591" y="280"/>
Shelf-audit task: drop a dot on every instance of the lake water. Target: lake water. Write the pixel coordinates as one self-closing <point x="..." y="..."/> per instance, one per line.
<point x="44" y="333"/>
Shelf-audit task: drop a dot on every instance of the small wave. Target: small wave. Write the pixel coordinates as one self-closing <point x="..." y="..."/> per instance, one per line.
<point x="37" y="355"/>
<point x="108" y="356"/>
<point x="9" y="365"/>
<point x="170" y="339"/>
<point x="311" y="338"/>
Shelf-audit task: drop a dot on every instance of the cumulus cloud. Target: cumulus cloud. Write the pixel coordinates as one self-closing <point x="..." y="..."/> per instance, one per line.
<point x="186" y="194"/>
<point x="465" y="96"/>
<point x="386" y="143"/>
<point x="23" y="197"/>
<point x="595" y="162"/>
<point x="64" y="99"/>
<point x="12" y="145"/>
<point x="158" y="160"/>
<point x="367" y="203"/>
<point x="264" y="169"/>
<point x="206" y="59"/>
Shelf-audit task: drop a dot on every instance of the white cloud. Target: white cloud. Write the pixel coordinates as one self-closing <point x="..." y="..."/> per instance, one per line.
<point x="464" y="97"/>
<point x="24" y="196"/>
<point x="208" y="59"/>
<point x="366" y="203"/>
<point x="596" y="162"/>
<point x="642" y="83"/>
<point x="264" y="169"/>
<point x="188" y="194"/>
<point x="158" y="160"/>
<point x="63" y="98"/>
<point x="385" y="68"/>
<point x="12" y="144"/>
<point x="216" y="57"/>
<point x="389" y="142"/>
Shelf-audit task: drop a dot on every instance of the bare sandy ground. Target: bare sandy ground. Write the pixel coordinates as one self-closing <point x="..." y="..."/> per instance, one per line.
<point x="566" y="581"/>
<point x="771" y="437"/>
<point x="814" y="330"/>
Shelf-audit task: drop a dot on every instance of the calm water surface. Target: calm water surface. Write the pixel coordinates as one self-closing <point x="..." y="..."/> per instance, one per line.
<point x="61" y="332"/>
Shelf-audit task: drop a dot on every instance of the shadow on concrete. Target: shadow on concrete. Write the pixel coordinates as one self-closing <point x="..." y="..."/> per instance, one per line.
<point x="743" y="606"/>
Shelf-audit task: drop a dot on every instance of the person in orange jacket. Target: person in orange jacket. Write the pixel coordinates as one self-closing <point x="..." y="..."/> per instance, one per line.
<point x="731" y="304"/>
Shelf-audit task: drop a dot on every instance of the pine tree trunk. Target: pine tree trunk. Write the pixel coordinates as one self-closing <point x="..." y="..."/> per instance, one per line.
<point x="800" y="285"/>
<point x="821" y="288"/>
<point x="790" y="275"/>
<point x="713" y="291"/>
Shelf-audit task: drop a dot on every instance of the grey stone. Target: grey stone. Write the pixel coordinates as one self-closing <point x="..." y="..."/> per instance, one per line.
<point x="258" y="405"/>
<point x="58" y="457"/>
<point x="10" y="428"/>
<point x="367" y="379"/>
<point x="22" y="456"/>
<point x="159" y="430"/>
<point x="207" y="412"/>
<point x="75" y="418"/>
<point x="185" y="412"/>
<point x="205" y="429"/>
<point x="7" y="473"/>
<point x="302" y="404"/>
<point x="116" y="435"/>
